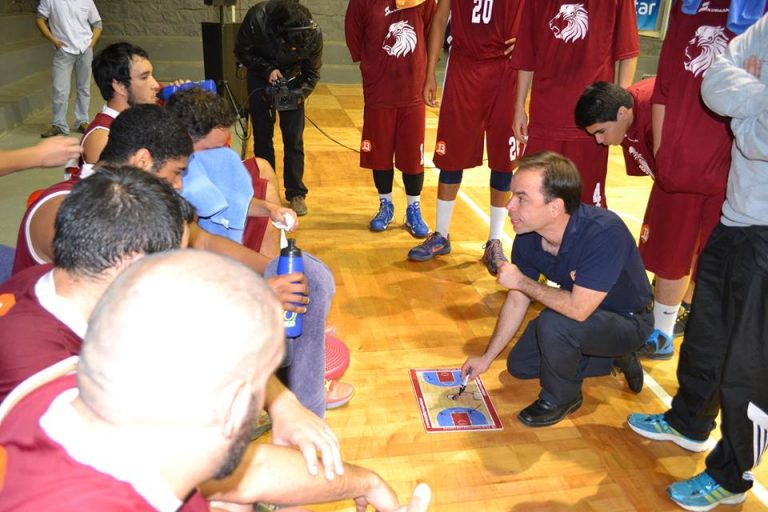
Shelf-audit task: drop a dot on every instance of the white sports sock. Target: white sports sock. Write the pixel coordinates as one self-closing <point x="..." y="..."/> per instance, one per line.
<point x="444" y="214"/>
<point x="664" y="317"/>
<point x="412" y="199"/>
<point x="388" y="197"/>
<point x="498" y="215"/>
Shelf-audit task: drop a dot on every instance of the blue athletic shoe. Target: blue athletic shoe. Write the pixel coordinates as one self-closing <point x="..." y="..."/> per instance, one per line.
<point x="414" y="222"/>
<point x="658" y="346"/>
<point x="384" y="216"/>
<point x="702" y="493"/>
<point x="434" y="244"/>
<point x="655" y="427"/>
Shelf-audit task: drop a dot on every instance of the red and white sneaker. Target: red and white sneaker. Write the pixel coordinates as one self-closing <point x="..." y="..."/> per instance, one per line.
<point x="337" y="393"/>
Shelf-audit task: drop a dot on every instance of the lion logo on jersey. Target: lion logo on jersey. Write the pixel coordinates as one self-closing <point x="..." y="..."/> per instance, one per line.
<point x="704" y="48"/>
<point x="571" y="23"/>
<point x="400" y="40"/>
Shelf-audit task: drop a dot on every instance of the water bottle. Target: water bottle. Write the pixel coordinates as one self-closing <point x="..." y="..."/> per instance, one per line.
<point x="291" y="261"/>
<point x="169" y="90"/>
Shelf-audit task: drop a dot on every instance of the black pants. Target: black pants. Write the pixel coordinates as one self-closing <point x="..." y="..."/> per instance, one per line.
<point x="292" y="128"/>
<point x="724" y="356"/>
<point x="562" y="352"/>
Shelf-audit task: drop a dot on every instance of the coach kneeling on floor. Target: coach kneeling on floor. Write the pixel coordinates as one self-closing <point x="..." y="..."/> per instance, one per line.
<point x="600" y="315"/>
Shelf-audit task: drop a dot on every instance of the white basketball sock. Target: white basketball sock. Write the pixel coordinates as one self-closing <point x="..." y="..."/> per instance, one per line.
<point x="444" y="214"/>
<point x="664" y="317"/>
<point x="498" y="216"/>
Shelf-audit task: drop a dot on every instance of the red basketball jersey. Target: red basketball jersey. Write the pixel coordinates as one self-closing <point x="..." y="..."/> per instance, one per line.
<point x="638" y="141"/>
<point x="568" y="46"/>
<point x="391" y="46"/>
<point x="695" y="151"/>
<point x="479" y="28"/>
<point x="38" y="474"/>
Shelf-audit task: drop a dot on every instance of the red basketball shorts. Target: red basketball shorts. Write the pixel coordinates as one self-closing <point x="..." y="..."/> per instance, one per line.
<point x="478" y="105"/>
<point x="393" y="132"/>
<point x="675" y="229"/>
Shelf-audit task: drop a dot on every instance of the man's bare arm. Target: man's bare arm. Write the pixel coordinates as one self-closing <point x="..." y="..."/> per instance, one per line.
<point x="508" y="322"/>
<point x="520" y="122"/>
<point x="276" y="474"/>
<point x="434" y="47"/>
<point x="201" y="239"/>
<point x="657" y="124"/>
<point x="626" y="72"/>
<point x="577" y="304"/>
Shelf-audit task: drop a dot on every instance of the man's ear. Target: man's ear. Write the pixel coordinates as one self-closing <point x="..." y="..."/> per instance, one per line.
<point x="119" y="88"/>
<point x="142" y="159"/>
<point x="622" y="113"/>
<point x="556" y="206"/>
<point x="234" y="407"/>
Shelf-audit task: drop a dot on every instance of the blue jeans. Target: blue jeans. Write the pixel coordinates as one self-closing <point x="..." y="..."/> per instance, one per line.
<point x="63" y="63"/>
<point x="303" y="370"/>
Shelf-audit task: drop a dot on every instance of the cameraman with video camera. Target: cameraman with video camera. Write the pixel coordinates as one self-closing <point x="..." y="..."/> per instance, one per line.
<point x="282" y="48"/>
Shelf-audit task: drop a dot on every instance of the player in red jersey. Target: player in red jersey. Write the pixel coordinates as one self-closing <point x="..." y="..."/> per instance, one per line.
<point x="693" y="155"/>
<point x="48" y="307"/>
<point x="689" y="191"/>
<point x="389" y="41"/>
<point x="120" y="435"/>
<point x="565" y="47"/>
<point x="123" y="74"/>
<point x="477" y="107"/>
<point x="615" y="116"/>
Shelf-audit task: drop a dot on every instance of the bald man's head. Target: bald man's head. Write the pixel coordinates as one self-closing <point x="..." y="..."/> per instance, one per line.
<point x="173" y="335"/>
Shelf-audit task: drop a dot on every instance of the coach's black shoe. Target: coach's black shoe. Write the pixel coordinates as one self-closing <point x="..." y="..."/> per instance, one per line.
<point x="629" y="365"/>
<point x="542" y="413"/>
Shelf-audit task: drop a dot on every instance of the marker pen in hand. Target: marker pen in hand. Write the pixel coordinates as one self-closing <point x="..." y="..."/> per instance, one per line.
<point x="465" y="381"/>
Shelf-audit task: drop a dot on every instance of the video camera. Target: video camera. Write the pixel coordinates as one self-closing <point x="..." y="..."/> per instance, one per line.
<point x="282" y="97"/>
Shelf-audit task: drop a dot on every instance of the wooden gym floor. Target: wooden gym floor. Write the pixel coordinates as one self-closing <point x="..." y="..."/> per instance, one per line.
<point x="395" y="315"/>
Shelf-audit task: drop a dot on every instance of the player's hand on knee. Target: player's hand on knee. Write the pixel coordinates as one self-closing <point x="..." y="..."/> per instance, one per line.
<point x="294" y="425"/>
<point x="292" y="290"/>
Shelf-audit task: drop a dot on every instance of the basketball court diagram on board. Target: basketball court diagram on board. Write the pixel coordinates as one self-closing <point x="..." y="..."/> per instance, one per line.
<point x="444" y="409"/>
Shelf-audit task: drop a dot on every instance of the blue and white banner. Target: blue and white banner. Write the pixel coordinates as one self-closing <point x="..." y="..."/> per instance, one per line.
<point x="648" y="14"/>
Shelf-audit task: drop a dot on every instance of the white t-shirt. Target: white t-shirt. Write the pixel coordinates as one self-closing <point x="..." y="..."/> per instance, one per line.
<point x="70" y="21"/>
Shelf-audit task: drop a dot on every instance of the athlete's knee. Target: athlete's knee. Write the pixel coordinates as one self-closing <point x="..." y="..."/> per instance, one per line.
<point x="322" y="285"/>
<point x="551" y="329"/>
<point x="451" y="177"/>
<point x="501" y="181"/>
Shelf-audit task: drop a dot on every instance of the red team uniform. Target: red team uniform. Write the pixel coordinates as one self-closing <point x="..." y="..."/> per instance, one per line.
<point x="102" y="121"/>
<point x="638" y="141"/>
<point x="25" y="255"/>
<point x="479" y="93"/>
<point x="31" y="337"/>
<point x="390" y="44"/>
<point x="695" y="153"/>
<point x="568" y="46"/>
<point x="38" y="473"/>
